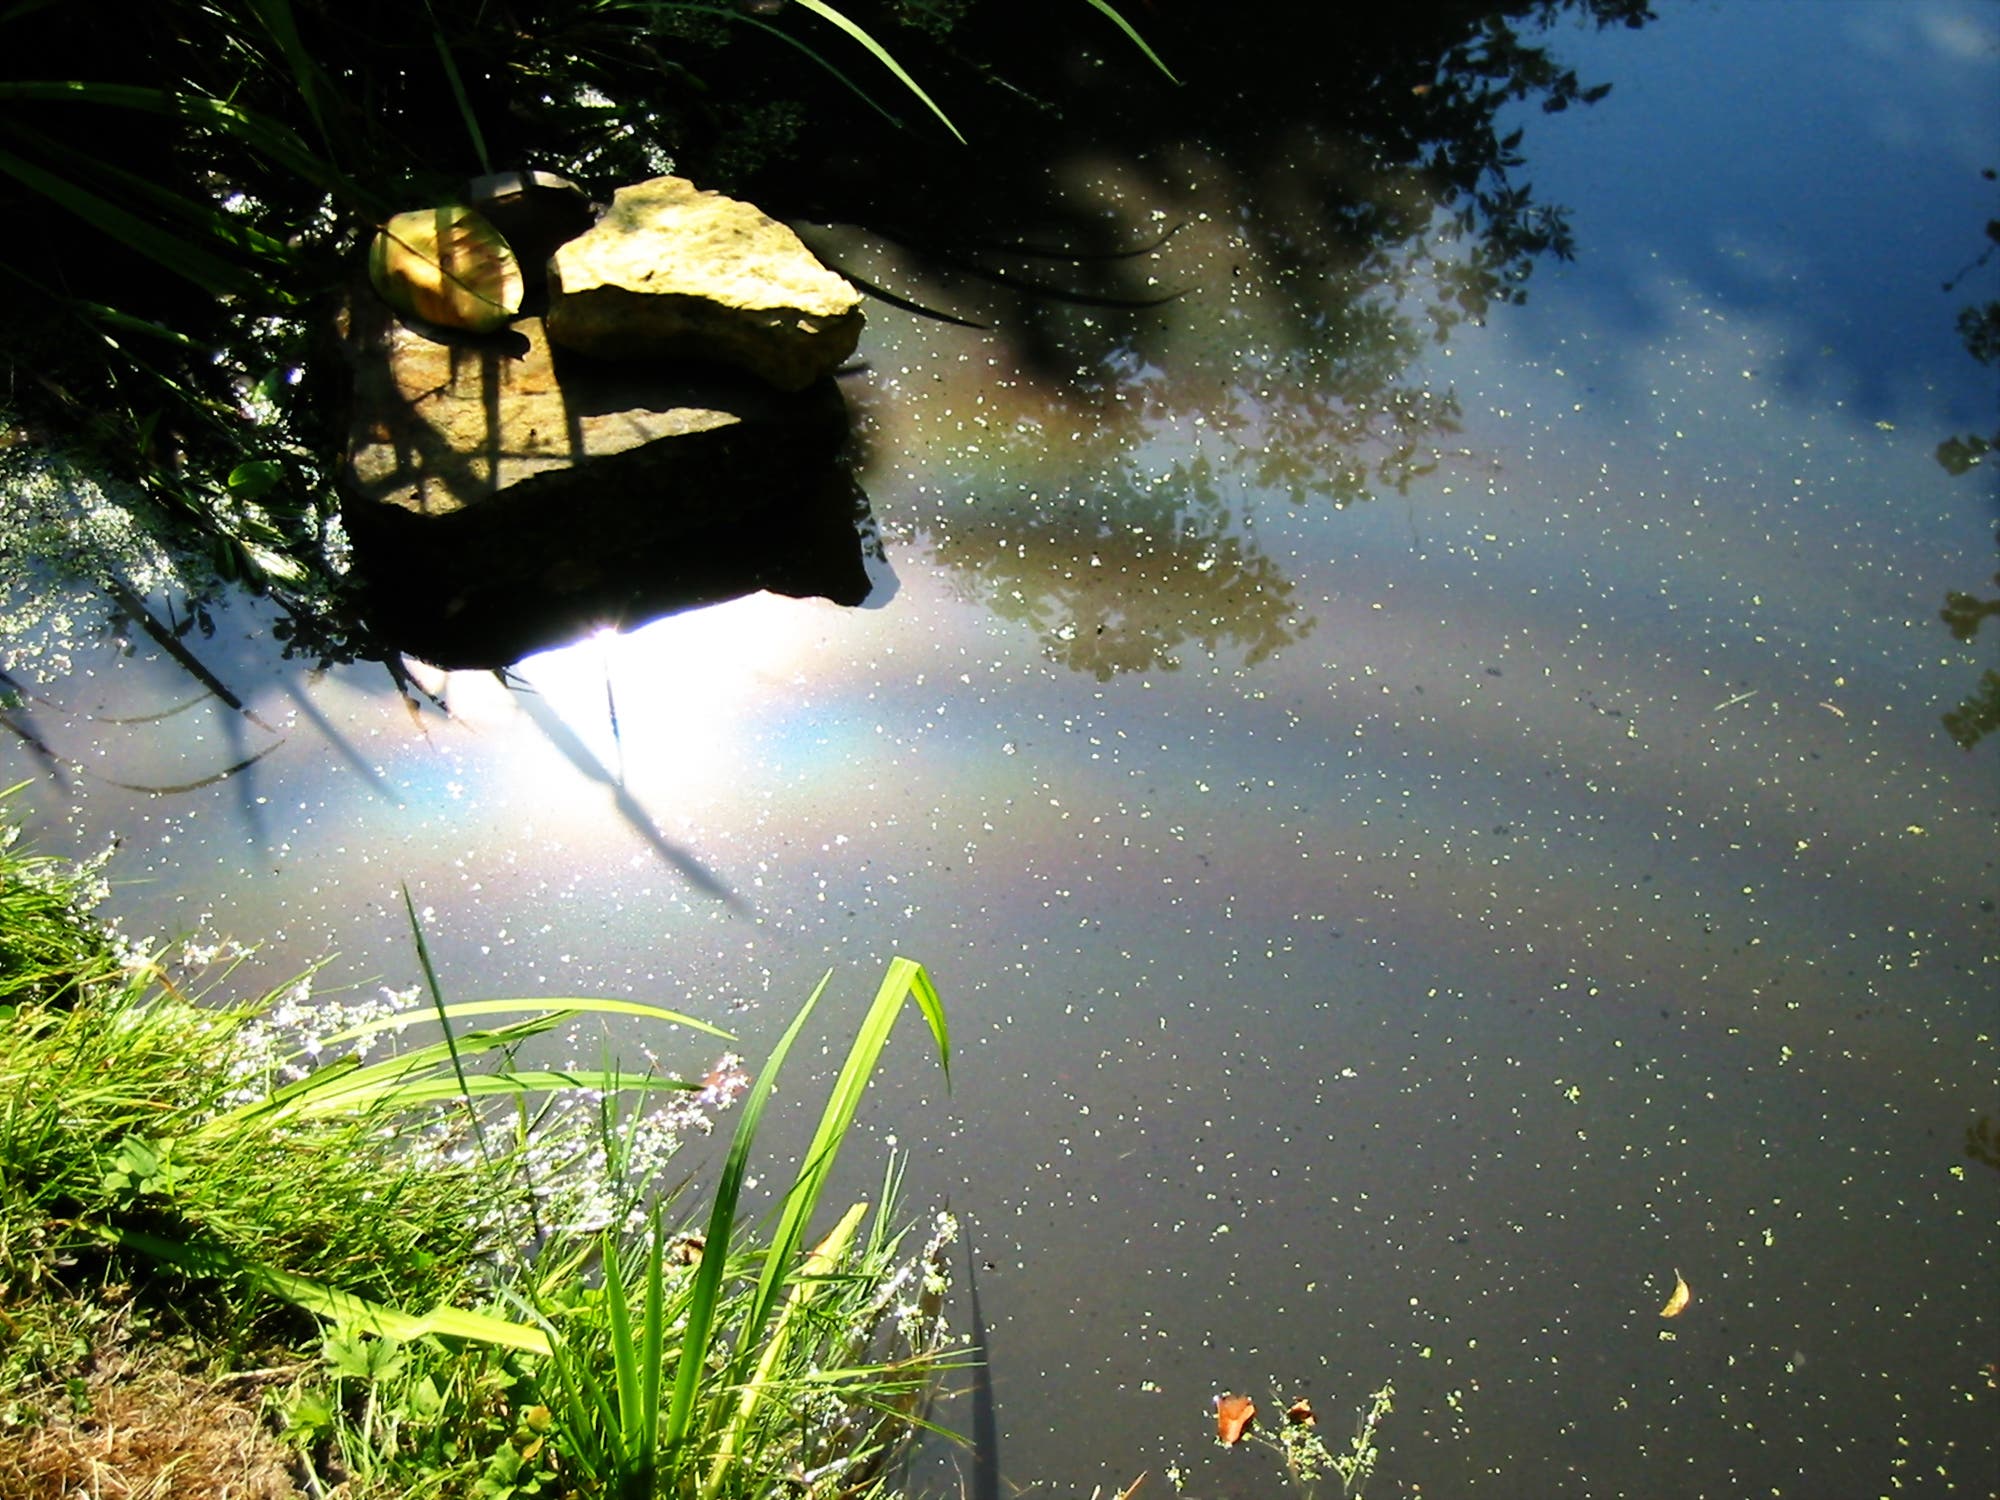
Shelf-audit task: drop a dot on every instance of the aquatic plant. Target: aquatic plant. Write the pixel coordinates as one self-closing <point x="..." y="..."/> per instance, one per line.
<point x="1310" y="1462"/>
<point x="759" y="1337"/>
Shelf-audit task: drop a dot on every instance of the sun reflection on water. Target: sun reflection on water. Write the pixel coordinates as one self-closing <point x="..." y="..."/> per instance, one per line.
<point x="678" y="703"/>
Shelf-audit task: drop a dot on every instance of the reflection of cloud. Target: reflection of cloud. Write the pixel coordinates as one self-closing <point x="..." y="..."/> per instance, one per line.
<point x="1958" y="34"/>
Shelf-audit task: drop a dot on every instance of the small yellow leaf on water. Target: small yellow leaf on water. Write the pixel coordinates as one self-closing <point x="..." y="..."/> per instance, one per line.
<point x="1680" y="1299"/>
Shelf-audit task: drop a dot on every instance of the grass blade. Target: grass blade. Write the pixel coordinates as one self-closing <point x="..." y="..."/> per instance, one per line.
<point x="102" y="317"/>
<point x="1105" y="7"/>
<point x="275" y="142"/>
<point x="450" y="1041"/>
<point x="652" y="1351"/>
<point x="458" y="90"/>
<point x="344" y="1083"/>
<point x="743" y="18"/>
<point x="905" y="979"/>
<point x="482" y="1085"/>
<point x="635" y="1447"/>
<point x="825" y="1257"/>
<point x="827" y="13"/>
<point x="279" y="20"/>
<point x="329" y="1302"/>
<point x="211" y="273"/>
<point x="707" y="1288"/>
<point x="129" y="189"/>
<point x="559" y="1009"/>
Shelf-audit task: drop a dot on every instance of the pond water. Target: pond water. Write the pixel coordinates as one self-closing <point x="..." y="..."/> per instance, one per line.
<point x="1384" y="941"/>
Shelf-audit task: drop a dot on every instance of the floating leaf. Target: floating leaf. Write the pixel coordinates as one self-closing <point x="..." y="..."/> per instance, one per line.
<point x="448" y="266"/>
<point x="1680" y="1299"/>
<point x="1300" y="1413"/>
<point x="1233" y="1416"/>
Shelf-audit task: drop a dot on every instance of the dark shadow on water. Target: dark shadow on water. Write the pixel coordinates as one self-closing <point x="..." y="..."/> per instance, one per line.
<point x="243" y="781"/>
<point x="503" y="500"/>
<point x="242" y="759"/>
<point x="342" y="745"/>
<point x="169" y="641"/>
<point x="19" y="720"/>
<point x="629" y="807"/>
<point x="985" y="1482"/>
<point x="234" y="768"/>
<point x="445" y="606"/>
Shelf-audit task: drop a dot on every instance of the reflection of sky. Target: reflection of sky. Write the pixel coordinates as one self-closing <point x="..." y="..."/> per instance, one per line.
<point x="1835" y="161"/>
<point x="1589" y="894"/>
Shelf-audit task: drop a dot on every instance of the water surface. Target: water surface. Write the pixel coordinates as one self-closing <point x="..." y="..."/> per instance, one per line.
<point x="1386" y="938"/>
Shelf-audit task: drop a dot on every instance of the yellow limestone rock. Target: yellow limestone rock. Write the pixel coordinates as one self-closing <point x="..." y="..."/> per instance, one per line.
<point x="673" y="272"/>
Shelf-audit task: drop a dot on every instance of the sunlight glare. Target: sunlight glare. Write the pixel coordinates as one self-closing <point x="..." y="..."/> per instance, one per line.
<point x="687" y="692"/>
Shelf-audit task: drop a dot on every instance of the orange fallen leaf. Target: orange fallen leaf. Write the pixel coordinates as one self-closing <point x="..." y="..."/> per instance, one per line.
<point x="1300" y="1413"/>
<point x="1233" y="1415"/>
<point x="1677" y="1303"/>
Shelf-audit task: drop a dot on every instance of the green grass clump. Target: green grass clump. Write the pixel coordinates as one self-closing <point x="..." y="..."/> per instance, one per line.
<point x="436" y="1272"/>
<point x="47" y="950"/>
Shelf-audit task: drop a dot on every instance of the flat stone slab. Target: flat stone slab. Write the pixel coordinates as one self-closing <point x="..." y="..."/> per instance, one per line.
<point x="503" y="494"/>
<point x="441" y="427"/>
<point x="671" y="271"/>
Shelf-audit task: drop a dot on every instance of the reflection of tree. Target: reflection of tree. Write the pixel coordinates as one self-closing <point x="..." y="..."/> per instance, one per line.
<point x="186" y="184"/>
<point x="1982" y="1141"/>
<point x="1978" y="714"/>
<point x="1378" y="188"/>
<point x="1373" y="207"/>
<point x="1379" y="162"/>
<point x="1342" y="440"/>
<point x="1123" y="571"/>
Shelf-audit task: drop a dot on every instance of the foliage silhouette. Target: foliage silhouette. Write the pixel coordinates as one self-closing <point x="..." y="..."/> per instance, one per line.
<point x="164" y="293"/>
<point x="1978" y="713"/>
<point x="1373" y="206"/>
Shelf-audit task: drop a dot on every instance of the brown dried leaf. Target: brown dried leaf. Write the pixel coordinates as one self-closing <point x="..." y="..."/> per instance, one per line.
<point x="1233" y="1416"/>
